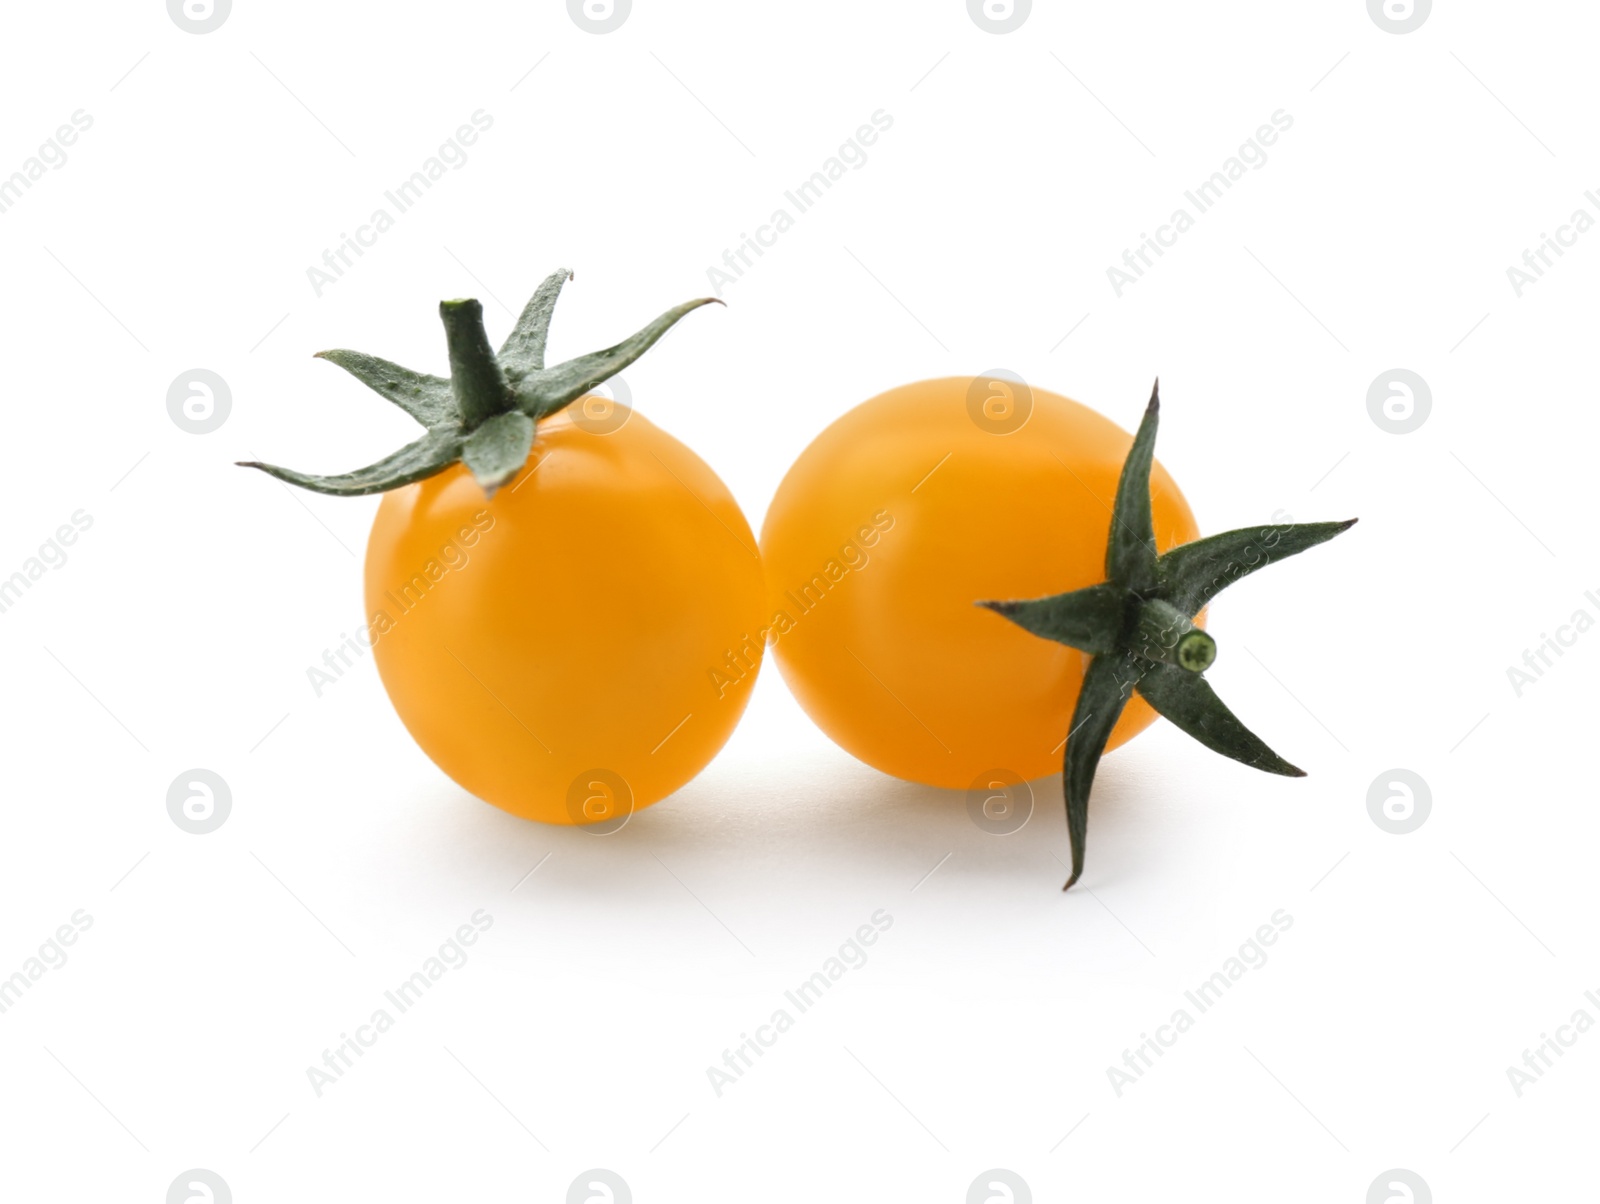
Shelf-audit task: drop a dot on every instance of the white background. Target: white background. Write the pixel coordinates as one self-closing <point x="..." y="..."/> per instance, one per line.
<point x="977" y="235"/>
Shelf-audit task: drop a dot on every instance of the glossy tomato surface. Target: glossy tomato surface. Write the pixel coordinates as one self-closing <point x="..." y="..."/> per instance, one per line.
<point x="901" y="516"/>
<point x="562" y="650"/>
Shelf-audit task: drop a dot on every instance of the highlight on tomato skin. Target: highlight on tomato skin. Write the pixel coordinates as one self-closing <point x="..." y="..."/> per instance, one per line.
<point x="894" y="522"/>
<point x="560" y="595"/>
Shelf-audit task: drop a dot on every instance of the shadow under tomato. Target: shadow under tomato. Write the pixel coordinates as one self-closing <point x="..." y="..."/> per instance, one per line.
<point x="805" y="831"/>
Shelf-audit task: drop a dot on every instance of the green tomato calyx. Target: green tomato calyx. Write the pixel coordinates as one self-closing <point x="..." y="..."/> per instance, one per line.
<point x="1138" y="629"/>
<point x="486" y="414"/>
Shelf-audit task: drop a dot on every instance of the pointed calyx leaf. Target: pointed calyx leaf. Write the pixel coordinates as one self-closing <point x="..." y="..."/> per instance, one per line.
<point x="1088" y="619"/>
<point x="425" y="398"/>
<point x="1107" y="685"/>
<point x="1138" y="628"/>
<point x="1189" y="701"/>
<point x="497" y="450"/>
<point x="433" y="453"/>
<point x="543" y="392"/>
<point x="1194" y="573"/>
<point x="523" y="350"/>
<point x="1131" y="548"/>
<point x="486" y="411"/>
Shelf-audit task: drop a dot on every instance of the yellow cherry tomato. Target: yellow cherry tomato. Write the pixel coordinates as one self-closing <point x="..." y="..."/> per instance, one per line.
<point x="562" y="649"/>
<point x="900" y="517"/>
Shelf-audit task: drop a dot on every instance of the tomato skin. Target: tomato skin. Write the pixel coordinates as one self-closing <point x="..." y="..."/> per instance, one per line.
<point x="575" y="622"/>
<point x="893" y="659"/>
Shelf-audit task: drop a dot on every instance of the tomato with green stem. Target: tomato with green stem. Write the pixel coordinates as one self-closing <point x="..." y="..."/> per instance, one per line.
<point x="923" y="501"/>
<point x="887" y="528"/>
<point x="550" y="582"/>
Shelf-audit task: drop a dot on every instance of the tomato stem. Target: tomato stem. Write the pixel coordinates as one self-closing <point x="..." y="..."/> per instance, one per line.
<point x="479" y="386"/>
<point x="1164" y="633"/>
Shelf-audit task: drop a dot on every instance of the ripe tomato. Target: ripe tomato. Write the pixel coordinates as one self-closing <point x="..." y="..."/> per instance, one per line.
<point x="553" y="583"/>
<point x="889" y="528"/>
<point x="552" y="649"/>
